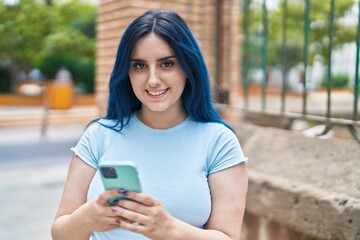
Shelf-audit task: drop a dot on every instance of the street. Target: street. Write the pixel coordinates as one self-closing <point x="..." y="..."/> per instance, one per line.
<point x="32" y="173"/>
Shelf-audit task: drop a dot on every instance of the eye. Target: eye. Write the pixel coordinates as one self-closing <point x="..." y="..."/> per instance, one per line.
<point x="167" y="64"/>
<point x="139" y="66"/>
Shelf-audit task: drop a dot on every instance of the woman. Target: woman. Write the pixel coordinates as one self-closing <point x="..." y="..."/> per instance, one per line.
<point x="160" y="117"/>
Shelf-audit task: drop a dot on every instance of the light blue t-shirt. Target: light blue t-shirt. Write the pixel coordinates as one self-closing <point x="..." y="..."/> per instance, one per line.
<point x="173" y="164"/>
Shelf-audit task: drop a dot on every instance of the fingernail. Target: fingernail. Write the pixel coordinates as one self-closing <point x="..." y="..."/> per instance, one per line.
<point x="123" y="191"/>
<point x="118" y="221"/>
<point x="114" y="209"/>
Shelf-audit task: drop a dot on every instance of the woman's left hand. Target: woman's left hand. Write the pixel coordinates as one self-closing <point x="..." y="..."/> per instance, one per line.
<point x="145" y="215"/>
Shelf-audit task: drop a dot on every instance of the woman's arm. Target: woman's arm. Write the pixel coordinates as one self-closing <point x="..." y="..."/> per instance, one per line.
<point x="69" y="223"/>
<point x="228" y="195"/>
<point x="228" y="191"/>
<point x="76" y="218"/>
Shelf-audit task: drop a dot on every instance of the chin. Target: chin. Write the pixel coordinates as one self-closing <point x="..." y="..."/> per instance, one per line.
<point x="158" y="110"/>
<point x="153" y="108"/>
<point x="161" y="107"/>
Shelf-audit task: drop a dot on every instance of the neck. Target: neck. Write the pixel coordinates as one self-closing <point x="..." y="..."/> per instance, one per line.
<point x="160" y="120"/>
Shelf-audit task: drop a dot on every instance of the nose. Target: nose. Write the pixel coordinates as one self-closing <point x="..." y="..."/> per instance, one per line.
<point x="154" y="79"/>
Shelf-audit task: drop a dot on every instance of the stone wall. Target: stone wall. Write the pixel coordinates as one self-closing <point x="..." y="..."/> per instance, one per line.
<point x="299" y="187"/>
<point x="201" y="16"/>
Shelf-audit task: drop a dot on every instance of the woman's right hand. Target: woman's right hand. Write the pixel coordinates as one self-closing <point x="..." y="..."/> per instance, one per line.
<point x="99" y="216"/>
<point x="77" y="218"/>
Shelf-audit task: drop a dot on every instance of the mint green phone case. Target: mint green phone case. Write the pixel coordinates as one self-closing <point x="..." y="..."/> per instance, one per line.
<point x="122" y="174"/>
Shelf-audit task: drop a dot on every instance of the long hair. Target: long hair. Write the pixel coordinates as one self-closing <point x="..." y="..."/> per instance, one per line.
<point x="196" y="97"/>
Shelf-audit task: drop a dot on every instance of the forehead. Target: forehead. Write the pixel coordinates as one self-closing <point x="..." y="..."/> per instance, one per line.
<point x="151" y="45"/>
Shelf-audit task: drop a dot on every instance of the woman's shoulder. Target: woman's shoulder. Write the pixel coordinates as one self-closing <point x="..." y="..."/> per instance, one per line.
<point x="212" y="128"/>
<point x="101" y="125"/>
<point x="211" y="125"/>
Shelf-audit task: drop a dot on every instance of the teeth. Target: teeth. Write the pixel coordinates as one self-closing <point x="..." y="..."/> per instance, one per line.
<point x="156" y="93"/>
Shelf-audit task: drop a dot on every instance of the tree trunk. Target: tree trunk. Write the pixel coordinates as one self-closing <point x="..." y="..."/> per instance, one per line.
<point x="14" y="69"/>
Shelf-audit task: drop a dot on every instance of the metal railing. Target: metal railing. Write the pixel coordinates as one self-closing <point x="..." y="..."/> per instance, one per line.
<point x="257" y="41"/>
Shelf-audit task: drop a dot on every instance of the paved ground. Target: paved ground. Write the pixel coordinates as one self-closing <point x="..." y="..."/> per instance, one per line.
<point x="32" y="173"/>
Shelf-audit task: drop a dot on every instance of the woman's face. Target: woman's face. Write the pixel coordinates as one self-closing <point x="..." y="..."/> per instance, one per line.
<point x="156" y="76"/>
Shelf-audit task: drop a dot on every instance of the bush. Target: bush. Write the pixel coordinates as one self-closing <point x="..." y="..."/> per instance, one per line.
<point x="338" y="81"/>
<point x="84" y="73"/>
<point x="82" y="70"/>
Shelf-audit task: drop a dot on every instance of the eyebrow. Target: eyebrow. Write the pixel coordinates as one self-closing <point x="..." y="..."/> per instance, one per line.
<point x="158" y="60"/>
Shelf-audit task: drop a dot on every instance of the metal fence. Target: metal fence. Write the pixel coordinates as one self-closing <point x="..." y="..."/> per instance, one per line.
<point x="296" y="34"/>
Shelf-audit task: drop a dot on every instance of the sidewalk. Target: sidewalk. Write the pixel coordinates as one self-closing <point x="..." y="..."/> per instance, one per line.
<point x="20" y="116"/>
<point x="32" y="173"/>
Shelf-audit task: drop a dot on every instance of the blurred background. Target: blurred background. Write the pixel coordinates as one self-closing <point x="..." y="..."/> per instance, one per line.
<point x="284" y="73"/>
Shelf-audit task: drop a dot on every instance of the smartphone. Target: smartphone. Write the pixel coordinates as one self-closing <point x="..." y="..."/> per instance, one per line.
<point x="119" y="175"/>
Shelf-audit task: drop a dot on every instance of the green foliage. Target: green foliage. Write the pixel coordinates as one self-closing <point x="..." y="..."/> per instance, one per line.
<point x="71" y="49"/>
<point x="295" y="22"/>
<point x="82" y="70"/>
<point x="32" y="33"/>
<point x="51" y="63"/>
<point x="84" y="73"/>
<point x="320" y="26"/>
<point x="338" y="81"/>
<point x="69" y="40"/>
<point x="22" y="29"/>
<point x="85" y="17"/>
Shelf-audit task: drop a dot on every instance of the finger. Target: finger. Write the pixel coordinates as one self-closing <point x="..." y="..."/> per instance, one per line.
<point x="111" y="223"/>
<point x="129" y="215"/>
<point x="134" y="227"/>
<point x="116" y="216"/>
<point x="106" y="195"/>
<point x="142" y="198"/>
<point x="116" y="211"/>
<point x="118" y="220"/>
<point x="133" y="206"/>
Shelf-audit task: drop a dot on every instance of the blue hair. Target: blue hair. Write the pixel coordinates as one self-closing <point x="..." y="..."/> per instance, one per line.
<point x="196" y="97"/>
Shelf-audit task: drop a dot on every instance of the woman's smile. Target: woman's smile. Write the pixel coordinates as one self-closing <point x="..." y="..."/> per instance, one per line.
<point x="157" y="93"/>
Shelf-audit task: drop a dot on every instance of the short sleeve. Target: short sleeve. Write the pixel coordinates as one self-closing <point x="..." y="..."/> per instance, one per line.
<point x="224" y="151"/>
<point x="90" y="146"/>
